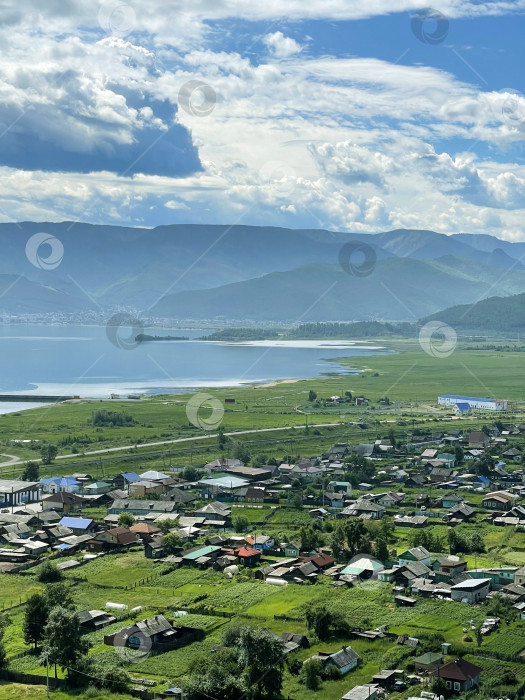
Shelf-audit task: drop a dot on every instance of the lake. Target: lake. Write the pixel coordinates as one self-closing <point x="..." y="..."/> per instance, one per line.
<point x="71" y="360"/>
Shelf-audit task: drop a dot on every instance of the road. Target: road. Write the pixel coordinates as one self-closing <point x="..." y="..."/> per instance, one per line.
<point x="208" y="436"/>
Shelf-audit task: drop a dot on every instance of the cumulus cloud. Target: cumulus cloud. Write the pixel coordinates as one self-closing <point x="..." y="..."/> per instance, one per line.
<point x="281" y="46"/>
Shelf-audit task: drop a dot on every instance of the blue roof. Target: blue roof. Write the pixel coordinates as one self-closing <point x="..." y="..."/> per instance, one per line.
<point x="465" y="398"/>
<point x="131" y="476"/>
<point x="61" y="481"/>
<point x="463" y="406"/>
<point x="63" y="546"/>
<point x="82" y="523"/>
<point x="481" y="477"/>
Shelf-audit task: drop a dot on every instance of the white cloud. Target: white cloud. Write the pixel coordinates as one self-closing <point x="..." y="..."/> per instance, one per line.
<point x="281" y="46"/>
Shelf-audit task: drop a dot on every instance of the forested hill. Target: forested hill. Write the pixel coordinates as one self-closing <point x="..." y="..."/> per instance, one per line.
<point x="504" y="315"/>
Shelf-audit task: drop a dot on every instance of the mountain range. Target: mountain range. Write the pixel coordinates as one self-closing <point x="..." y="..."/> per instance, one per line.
<point x="251" y="273"/>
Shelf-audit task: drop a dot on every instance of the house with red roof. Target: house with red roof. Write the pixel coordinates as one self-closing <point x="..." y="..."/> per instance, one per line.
<point x="459" y="675"/>
<point x="247" y="556"/>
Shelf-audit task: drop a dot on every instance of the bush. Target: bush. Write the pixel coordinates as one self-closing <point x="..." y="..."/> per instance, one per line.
<point x="49" y="573"/>
<point x="330" y="673"/>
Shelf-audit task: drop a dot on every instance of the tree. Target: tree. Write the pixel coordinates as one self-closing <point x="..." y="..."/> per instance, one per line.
<point x="166" y="525"/>
<point x="357" y="536"/>
<point x="171" y="543"/>
<point x="439" y="688"/>
<point x="479" y="636"/>
<point x="324" y="622"/>
<point x="48" y="452"/>
<point x="261" y="655"/>
<point x="49" y="573"/>
<point x="312" y="395"/>
<point x="125" y="519"/>
<point x="189" y="473"/>
<point x="381" y="550"/>
<point x="337" y="541"/>
<point x="64" y="645"/>
<point x="31" y="472"/>
<point x="35" y="619"/>
<point x="309" y="538"/>
<point x="221" y="437"/>
<point x="58" y="594"/>
<point x="312" y="674"/>
<point x="241" y="452"/>
<point x="458" y="454"/>
<point x="240" y="523"/>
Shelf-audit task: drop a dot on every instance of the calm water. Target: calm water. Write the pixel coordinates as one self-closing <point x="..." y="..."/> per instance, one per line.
<point x="82" y="360"/>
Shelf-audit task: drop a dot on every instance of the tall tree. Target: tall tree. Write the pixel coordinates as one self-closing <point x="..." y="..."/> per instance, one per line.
<point x="35" y="619"/>
<point x="64" y="645"/>
<point x="58" y="594"/>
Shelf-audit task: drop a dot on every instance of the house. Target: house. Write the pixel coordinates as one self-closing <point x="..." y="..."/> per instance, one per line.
<point x="363" y="566"/>
<point x="292" y="549"/>
<point x="512" y="454"/>
<point x="220" y="465"/>
<point x="78" y="526"/>
<point x="463" y="408"/>
<point x="260" y="542"/>
<point x="144" y="531"/>
<point x="364" y="509"/>
<point x="60" y="483"/>
<point x="428" y="661"/>
<point x="473" y="590"/>
<point x="300" y="639"/>
<point x="94" y="619"/>
<point x="201" y="556"/>
<point x="247" y="556"/>
<point x="251" y="473"/>
<point x="141" y="508"/>
<point x="420" y="554"/>
<point x="122" y="481"/>
<point x="459" y="675"/>
<point x="322" y="561"/>
<point x="14" y="492"/>
<point x="390" y="499"/>
<point x="345" y="660"/>
<point x="497" y="501"/>
<point x="251" y="494"/>
<point x="63" y="501"/>
<point x="519" y="576"/>
<point x="114" y="537"/>
<point x="415" y="481"/>
<point x="362" y="692"/>
<point x="450" y="499"/>
<point x="452" y="566"/>
<point x="410" y="571"/>
<point x="338" y="486"/>
<point x="144" y="488"/>
<point x="153" y="633"/>
<point x="98" y="487"/>
<point x="460" y="513"/>
<point x="478" y="440"/>
<point x="214" y="511"/>
<point x="412" y="521"/>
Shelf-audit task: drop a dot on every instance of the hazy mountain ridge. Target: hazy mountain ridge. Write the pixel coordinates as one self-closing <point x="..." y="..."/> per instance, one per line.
<point x="264" y="273"/>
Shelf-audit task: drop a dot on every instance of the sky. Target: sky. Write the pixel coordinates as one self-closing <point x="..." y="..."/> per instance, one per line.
<point x="335" y="114"/>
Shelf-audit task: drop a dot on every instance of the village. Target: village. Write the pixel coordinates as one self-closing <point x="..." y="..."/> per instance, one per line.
<point x="383" y="568"/>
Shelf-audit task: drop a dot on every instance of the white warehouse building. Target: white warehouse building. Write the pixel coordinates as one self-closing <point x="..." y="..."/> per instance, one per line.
<point x="473" y="402"/>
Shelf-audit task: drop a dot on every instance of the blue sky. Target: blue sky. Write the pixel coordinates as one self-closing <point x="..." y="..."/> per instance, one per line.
<point x="327" y="114"/>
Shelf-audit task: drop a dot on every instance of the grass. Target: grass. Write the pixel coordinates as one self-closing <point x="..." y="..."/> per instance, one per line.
<point x="22" y="691"/>
<point x="118" y="570"/>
